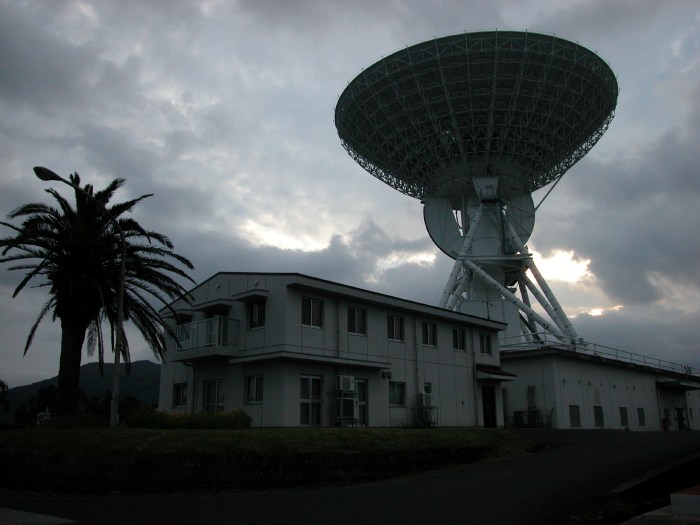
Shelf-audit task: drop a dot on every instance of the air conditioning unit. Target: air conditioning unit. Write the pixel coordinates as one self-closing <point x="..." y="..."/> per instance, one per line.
<point x="425" y="399"/>
<point x="346" y="383"/>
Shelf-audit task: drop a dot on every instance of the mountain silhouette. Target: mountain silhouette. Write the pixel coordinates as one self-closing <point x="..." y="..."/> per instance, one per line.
<point x="142" y="382"/>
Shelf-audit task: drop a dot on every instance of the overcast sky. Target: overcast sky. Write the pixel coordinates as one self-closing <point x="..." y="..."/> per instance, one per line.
<point x="224" y="110"/>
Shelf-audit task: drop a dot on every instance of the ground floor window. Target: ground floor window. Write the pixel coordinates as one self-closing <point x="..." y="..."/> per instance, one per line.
<point x="179" y="395"/>
<point x="310" y="401"/>
<point x="598" y="416"/>
<point x="254" y="389"/>
<point x="624" y="422"/>
<point x="641" y="417"/>
<point x="574" y="416"/>
<point x="397" y="393"/>
<point x="214" y="399"/>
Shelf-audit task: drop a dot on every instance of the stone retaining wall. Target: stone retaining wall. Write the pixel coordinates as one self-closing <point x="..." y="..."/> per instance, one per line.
<point x="94" y="474"/>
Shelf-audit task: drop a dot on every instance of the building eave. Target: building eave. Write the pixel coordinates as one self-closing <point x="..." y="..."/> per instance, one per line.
<point x="310" y="358"/>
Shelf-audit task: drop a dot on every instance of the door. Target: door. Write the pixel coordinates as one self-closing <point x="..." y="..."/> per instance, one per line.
<point x="488" y="399"/>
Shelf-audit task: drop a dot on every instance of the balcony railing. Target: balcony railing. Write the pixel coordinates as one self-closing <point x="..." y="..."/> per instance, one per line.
<point x="584" y="347"/>
<point x="212" y="332"/>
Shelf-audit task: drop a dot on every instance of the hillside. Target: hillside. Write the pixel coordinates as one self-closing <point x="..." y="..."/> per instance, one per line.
<point x="141" y="383"/>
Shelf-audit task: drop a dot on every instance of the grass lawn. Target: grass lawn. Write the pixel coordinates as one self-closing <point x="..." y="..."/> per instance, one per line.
<point x="489" y="443"/>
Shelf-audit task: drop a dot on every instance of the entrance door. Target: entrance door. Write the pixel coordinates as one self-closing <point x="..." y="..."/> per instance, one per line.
<point x="488" y="398"/>
<point x="680" y="416"/>
<point x="310" y="401"/>
<point x="361" y="389"/>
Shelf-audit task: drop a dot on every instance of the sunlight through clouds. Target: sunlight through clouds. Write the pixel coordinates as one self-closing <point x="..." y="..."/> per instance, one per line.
<point x="561" y="265"/>
<point x="595" y="312"/>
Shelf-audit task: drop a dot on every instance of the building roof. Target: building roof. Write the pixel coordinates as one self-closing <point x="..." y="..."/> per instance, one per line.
<point x="674" y="376"/>
<point x="302" y="281"/>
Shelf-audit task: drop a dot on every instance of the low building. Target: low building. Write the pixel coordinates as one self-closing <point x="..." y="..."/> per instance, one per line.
<point x="294" y="350"/>
<point x="598" y="387"/>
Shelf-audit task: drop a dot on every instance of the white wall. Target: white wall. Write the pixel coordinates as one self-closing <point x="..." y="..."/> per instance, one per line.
<point x="562" y="381"/>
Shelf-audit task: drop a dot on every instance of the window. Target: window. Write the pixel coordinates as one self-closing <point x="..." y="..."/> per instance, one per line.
<point x="624" y="421"/>
<point x="311" y="312"/>
<point x="394" y="325"/>
<point x="458" y="339"/>
<point x="397" y="393"/>
<point x="531" y="397"/>
<point x="574" y="416"/>
<point x="214" y="396"/>
<point x="310" y="401"/>
<point x="357" y="320"/>
<point x="254" y="389"/>
<point x="256" y="315"/>
<point x="641" y="418"/>
<point x="428" y="388"/>
<point x="429" y="334"/>
<point x="485" y="343"/>
<point x="179" y="395"/>
<point x="598" y="416"/>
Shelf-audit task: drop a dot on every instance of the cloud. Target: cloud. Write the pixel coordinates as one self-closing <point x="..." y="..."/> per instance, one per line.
<point x="224" y="111"/>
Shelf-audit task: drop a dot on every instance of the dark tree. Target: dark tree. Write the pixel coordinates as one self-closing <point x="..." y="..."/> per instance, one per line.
<point x="75" y="252"/>
<point x="4" y="403"/>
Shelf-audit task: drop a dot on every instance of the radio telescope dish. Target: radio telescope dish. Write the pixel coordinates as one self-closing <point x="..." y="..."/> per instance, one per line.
<point x="522" y="105"/>
<point x="472" y="124"/>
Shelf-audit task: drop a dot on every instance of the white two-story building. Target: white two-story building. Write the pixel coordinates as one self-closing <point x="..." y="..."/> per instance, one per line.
<point x="293" y="350"/>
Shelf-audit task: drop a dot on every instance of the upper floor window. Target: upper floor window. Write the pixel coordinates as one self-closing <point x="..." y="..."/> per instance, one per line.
<point x="485" y="343"/>
<point x="357" y="320"/>
<point x="429" y="333"/>
<point x="311" y="312"/>
<point x="256" y="315"/>
<point x="394" y="325"/>
<point x="459" y="340"/>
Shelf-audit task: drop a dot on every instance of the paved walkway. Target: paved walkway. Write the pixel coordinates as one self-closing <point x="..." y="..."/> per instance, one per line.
<point x="532" y="489"/>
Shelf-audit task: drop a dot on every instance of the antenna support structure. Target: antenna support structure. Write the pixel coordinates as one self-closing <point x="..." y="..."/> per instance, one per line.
<point x="472" y="124"/>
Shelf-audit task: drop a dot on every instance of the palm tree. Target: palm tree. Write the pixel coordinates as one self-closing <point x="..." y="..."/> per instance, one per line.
<point x="76" y="253"/>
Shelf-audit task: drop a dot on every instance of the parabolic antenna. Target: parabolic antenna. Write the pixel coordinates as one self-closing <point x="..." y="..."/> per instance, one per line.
<point x="519" y="105"/>
<point x="472" y="124"/>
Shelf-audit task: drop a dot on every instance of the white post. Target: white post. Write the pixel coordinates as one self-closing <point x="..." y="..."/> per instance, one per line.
<point x="449" y="287"/>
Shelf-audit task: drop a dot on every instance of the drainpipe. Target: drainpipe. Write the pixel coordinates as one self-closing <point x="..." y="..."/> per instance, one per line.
<point x="476" y="394"/>
<point x="415" y="348"/>
<point x="337" y="327"/>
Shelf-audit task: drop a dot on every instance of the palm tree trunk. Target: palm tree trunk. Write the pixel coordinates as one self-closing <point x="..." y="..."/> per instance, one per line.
<point x="72" y="337"/>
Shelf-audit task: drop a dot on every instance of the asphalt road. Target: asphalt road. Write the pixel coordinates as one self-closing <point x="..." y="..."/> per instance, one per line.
<point x="530" y="489"/>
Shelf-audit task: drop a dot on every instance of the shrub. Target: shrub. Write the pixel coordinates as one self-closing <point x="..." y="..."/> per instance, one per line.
<point x="150" y="418"/>
<point x="77" y="421"/>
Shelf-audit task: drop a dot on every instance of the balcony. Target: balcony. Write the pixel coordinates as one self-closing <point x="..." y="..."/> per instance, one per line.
<point x="206" y="339"/>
